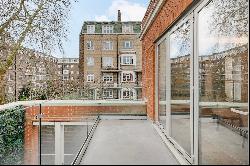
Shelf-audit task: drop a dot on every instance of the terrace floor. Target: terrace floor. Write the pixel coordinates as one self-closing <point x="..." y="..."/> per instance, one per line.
<point x="127" y="142"/>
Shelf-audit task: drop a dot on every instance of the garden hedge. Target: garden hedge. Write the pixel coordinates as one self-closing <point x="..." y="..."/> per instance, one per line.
<point x="12" y="136"/>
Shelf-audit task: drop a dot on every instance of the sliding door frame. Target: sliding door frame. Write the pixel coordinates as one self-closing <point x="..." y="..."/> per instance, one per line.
<point x="193" y="158"/>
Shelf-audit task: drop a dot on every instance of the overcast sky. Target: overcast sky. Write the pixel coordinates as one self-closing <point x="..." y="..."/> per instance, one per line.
<point x="99" y="10"/>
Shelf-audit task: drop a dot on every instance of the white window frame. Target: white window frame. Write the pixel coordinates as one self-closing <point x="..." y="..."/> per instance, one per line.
<point x="107" y="45"/>
<point x="129" y="94"/>
<point x="128" y="59"/>
<point x="107" y="62"/>
<point x="65" y="71"/>
<point x="127" y="28"/>
<point x="90" y="78"/>
<point x="127" y="45"/>
<point x="107" y="29"/>
<point x="126" y="76"/>
<point x="10" y="90"/>
<point x="90" y="61"/>
<point x="108" y="78"/>
<point x="9" y="77"/>
<point x="90" y="29"/>
<point x="90" y="45"/>
<point x="108" y="94"/>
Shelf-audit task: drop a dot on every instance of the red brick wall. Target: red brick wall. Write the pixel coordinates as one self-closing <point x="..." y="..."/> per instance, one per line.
<point x="168" y="13"/>
<point x="149" y="11"/>
<point x="31" y="137"/>
<point x="65" y="114"/>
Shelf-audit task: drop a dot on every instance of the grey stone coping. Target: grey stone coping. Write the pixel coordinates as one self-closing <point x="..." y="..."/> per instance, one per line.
<point x="74" y="103"/>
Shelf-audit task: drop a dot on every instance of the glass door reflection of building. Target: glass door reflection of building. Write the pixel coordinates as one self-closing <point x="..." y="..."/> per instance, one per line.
<point x="223" y="82"/>
<point x="203" y="83"/>
<point x="180" y="55"/>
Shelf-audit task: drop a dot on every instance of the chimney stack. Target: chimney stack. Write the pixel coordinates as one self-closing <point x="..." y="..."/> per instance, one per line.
<point x="119" y="16"/>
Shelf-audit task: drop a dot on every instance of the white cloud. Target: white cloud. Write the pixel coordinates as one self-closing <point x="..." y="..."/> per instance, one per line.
<point x="130" y="11"/>
<point x="101" y="18"/>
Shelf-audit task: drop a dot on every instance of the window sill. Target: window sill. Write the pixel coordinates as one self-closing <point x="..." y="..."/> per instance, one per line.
<point x="128" y="81"/>
<point x="128" y="64"/>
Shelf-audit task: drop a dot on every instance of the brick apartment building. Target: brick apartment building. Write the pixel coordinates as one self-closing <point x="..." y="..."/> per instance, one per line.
<point x="34" y="71"/>
<point x="39" y="74"/>
<point x="68" y="72"/>
<point x="230" y="84"/>
<point x="110" y="60"/>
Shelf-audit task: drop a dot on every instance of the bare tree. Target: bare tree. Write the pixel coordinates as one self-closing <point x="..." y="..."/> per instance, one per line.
<point x="229" y="17"/>
<point x="40" y="24"/>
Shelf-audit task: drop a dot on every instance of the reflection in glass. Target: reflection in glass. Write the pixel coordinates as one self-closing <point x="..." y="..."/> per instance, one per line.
<point x="180" y="51"/>
<point x="162" y="83"/>
<point x="223" y="81"/>
<point x="74" y="137"/>
<point x="48" y="145"/>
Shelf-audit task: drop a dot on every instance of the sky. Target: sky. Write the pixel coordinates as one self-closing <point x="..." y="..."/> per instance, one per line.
<point x="98" y="10"/>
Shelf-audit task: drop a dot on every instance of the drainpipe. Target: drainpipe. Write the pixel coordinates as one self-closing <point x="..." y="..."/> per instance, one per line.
<point x="118" y="61"/>
<point x="15" y="80"/>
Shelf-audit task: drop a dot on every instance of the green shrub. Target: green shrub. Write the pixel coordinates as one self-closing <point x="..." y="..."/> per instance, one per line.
<point x="12" y="136"/>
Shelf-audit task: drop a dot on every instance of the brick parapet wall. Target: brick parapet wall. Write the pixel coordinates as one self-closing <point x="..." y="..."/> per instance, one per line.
<point x="66" y="114"/>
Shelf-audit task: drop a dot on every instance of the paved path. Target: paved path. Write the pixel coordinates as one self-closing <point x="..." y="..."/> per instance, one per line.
<point x="127" y="142"/>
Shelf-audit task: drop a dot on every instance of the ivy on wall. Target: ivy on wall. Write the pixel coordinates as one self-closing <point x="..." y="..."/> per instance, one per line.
<point x="12" y="136"/>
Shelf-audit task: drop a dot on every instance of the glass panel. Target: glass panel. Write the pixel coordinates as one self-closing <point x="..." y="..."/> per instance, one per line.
<point x="162" y="82"/>
<point x="180" y="51"/>
<point x="64" y="131"/>
<point x="48" y="144"/>
<point x="223" y="80"/>
<point x="74" y="137"/>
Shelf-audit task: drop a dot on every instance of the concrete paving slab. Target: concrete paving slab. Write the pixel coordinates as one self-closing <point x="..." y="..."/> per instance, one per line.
<point x="130" y="142"/>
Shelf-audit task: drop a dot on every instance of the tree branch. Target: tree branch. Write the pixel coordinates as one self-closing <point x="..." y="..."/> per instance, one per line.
<point x="12" y="18"/>
<point x="11" y="56"/>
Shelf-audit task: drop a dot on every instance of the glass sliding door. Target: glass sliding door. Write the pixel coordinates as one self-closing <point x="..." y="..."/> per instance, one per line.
<point x="180" y="81"/>
<point x="175" y="56"/>
<point x="222" y="53"/>
<point x="203" y="83"/>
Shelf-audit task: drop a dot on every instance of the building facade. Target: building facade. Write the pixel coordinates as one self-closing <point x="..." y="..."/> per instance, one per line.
<point x="33" y="75"/>
<point x="110" y="60"/>
<point x="68" y="72"/>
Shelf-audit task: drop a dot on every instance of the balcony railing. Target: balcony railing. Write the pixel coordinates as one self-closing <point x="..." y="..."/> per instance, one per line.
<point x="54" y="132"/>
